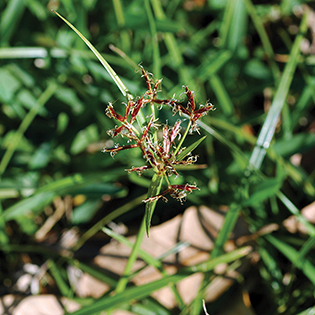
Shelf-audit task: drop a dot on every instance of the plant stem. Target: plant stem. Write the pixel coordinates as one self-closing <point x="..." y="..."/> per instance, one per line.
<point x="182" y="139"/>
<point x="110" y="217"/>
<point x="132" y="258"/>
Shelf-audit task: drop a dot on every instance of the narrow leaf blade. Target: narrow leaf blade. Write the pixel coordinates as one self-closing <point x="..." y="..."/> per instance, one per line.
<point x="154" y="189"/>
<point x="105" y="64"/>
<point x="192" y="147"/>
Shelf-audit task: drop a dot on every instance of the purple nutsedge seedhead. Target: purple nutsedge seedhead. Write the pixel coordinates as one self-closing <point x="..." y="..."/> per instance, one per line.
<point x="161" y="155"/>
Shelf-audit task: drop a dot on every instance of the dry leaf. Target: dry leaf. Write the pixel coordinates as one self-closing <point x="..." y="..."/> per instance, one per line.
<point x="199" y="227"/>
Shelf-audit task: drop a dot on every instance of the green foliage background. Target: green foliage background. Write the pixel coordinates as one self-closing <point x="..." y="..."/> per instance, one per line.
<point x="244" y="56"/>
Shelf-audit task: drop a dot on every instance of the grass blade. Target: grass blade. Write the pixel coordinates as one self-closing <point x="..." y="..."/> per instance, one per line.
<point x="43" y="99"/>
<point x="269" y="126"/>
<point x="137" y="293"/>
<point x="10" y="17"/>
<point x="264" y="38"/>
<point x="126" y="93"/>
<point x="36" y="203"/>
<point x="302" y="263"/>
<point x="188" y="150"/>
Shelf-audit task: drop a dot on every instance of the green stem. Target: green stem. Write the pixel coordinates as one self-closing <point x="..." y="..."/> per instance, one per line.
<point x="110" y="217"/>
<point x="154" y="189"/>
<point x="182" y="139"/>
<point x="122" y="283"/>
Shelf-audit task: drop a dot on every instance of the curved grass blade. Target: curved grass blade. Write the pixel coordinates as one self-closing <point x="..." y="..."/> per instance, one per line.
<point x="124" y="90"/>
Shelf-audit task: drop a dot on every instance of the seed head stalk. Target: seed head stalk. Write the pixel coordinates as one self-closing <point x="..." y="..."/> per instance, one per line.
<point x="182" y="139"/>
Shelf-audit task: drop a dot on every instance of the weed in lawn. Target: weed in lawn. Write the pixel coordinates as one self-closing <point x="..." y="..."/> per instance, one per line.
<point x="161" y="155"/>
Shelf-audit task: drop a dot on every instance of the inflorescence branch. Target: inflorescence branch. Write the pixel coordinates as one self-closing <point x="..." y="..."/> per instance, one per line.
<point x="160" y="155"/>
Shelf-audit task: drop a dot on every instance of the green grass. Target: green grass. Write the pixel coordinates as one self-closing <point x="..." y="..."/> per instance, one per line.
<point x="53" y="95"/>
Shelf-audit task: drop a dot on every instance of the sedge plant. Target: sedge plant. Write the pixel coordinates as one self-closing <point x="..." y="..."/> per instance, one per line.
<point x="162" y="153"/>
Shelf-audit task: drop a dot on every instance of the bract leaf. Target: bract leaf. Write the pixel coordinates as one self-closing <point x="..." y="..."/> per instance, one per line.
<point x="186" y="151"/>
<point x="105" y="64"/>
<point x="154" y="189"/>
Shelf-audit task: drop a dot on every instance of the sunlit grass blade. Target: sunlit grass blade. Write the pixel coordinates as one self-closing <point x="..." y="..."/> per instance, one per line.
<point x="23" y="52"/>
<point x="296" y="212"/>
<point x="123" y="281"/>
<point x="309" y="311"/>
<point x="124" y="90"/>
<point x="269" y="126"/>
<point x="150" y="260"/>
<point x="94" y="272"/>
<point x="142" y="254"/>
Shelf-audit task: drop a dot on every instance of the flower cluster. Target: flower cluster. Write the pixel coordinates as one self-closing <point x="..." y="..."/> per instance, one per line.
<point x="161" y="155"/>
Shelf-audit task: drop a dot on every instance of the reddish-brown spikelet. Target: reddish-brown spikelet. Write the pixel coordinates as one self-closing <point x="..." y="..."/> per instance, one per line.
<point x="129" y="105"/>
<point x="175" y="130"/>
<point x="201" y="112"/>
<point x="166" y="140"/>
<point x="111" y="113"/>
<point x="185" y="187"/>
<point x="136" y="109"/>
<point x="191" y="101"/>
<point x="120" y="148"/>
<point x="147" y="80"/>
